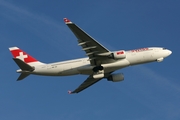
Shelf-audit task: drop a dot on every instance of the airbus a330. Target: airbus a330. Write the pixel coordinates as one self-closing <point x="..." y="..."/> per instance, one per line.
<point x="100" y="63"/>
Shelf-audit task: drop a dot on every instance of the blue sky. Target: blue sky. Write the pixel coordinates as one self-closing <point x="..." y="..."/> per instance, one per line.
<point x="150" y="91"/>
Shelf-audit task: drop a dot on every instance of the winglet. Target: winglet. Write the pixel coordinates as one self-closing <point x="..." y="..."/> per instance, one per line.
<point x="70" y="92"/>
<point x="67" y="21"/>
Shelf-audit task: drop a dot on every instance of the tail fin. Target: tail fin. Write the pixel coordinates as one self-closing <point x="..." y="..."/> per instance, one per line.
<point x="20" y="54"/>
<point x="24" y="61"/>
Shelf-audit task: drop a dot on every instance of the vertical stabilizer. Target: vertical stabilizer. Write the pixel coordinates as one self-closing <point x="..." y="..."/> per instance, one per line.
<point x="25" y="62"/>
<point x="20" y="54"/>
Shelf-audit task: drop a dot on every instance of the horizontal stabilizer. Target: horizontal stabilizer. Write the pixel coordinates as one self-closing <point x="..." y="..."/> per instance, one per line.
<point x="22" y="76"/>
<point x="22" y="65"/>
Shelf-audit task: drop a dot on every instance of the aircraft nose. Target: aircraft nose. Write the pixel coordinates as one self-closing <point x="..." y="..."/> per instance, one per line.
<point x="169" y="52"/>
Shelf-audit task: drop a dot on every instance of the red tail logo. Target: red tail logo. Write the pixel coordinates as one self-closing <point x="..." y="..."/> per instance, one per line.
<point x="18" y="53"/>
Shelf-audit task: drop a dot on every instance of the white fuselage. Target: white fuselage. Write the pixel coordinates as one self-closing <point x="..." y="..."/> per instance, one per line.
<point x="83" y="66"/>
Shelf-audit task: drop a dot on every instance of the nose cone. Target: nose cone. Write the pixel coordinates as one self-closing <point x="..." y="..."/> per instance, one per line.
<point x="169" y="52"/>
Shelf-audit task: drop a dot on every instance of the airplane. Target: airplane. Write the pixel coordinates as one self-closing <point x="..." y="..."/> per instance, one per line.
<point x="100" y="63"/>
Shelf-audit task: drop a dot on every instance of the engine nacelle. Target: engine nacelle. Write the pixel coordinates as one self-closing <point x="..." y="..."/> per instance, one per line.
<point x="116" y="77"/>
<point x="160" y="59"/>
<point x="118" y="55"/>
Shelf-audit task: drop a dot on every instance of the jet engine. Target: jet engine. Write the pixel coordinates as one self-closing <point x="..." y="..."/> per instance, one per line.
<point x="116" y="77"/>
<point x="118" y="55"/>
<point x="160" y="59"/>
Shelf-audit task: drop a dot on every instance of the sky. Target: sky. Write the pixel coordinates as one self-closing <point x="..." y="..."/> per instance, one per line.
<point x="149" y="91"/>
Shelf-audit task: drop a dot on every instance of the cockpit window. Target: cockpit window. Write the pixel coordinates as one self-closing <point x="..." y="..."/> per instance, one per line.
<point x="164" y="49"/>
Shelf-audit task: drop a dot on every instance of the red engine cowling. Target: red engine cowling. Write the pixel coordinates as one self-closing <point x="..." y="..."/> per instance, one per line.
<point x="116" y="77"/>
<point x="119" y="55"/>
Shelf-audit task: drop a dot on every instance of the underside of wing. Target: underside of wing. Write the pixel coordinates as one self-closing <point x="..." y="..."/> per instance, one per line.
<point x="88" y="82"/>
<point x="92" y="48"/>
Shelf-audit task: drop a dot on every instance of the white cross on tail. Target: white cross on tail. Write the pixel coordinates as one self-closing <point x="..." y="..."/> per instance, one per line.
<point x="21" y="56"/>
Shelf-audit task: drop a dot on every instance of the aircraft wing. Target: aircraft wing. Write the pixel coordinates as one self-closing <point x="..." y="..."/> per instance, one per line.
<point x="88" y="44"/>
<point x="88" y="82"/>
